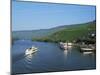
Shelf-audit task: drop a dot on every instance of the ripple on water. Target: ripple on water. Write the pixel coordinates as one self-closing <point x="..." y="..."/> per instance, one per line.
<point x="49" y="57"/>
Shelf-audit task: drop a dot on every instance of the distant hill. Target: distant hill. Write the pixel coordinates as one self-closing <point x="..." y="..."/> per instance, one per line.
<point x="29" y="34"/>
<point x="72" y="32"/>
<point x="60" y="31"/>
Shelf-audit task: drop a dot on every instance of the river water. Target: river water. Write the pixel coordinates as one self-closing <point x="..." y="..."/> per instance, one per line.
<point x="48" y="58"/>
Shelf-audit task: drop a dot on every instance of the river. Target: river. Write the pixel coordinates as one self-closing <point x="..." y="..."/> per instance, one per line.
<point x="48" y="58"/>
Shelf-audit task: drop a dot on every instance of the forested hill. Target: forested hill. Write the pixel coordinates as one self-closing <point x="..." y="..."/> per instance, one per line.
<point x="72" y="32"/>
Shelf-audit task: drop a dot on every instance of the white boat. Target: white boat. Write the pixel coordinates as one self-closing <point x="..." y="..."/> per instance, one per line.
<point x="30" y="51"/>
<point x="65" y="45"/>
<point x="87" y="49"/>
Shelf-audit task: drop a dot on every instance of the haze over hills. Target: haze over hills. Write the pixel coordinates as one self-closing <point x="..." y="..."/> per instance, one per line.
<point x="50" y="32"/>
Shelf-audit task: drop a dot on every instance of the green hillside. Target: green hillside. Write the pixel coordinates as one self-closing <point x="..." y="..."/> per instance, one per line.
<point x="71" y="33"/>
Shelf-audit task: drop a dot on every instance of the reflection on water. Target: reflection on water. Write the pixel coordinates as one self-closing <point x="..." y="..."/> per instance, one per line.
<point x="88" y="53"/>
<point x="65" y="52"/>
<point x="69" y="47"/>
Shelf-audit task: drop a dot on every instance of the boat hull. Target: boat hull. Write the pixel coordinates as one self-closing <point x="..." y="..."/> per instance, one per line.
<point x="30" y="51"/>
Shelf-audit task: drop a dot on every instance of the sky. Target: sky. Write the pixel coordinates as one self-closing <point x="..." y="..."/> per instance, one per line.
<point x="33" y="16"/>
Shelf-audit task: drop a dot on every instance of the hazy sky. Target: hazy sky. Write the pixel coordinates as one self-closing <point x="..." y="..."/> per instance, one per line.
<point x="30" y="15"/>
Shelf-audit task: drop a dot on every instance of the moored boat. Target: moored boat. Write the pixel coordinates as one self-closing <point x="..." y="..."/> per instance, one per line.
<point x="65" y="45"/>
<point x="87" y="50"/>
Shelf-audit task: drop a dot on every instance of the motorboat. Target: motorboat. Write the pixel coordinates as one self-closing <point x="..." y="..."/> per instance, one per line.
<point x="87" y="49"/>
<point x="31" y="50"/>
<point x="65" y="45"/>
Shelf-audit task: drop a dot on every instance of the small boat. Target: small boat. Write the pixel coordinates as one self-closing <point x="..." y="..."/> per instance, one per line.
<point x="31" y="50"/>
<point x="87" y="49"/>
<point x="66" y="45"/>
<point x="63" y="45"/>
